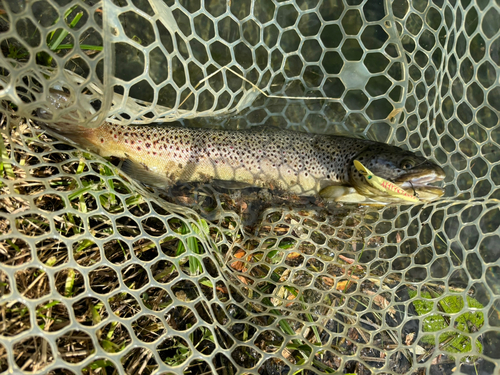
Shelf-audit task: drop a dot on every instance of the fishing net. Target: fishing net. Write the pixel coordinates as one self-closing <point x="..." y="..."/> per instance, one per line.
<point x="101" y="275"/>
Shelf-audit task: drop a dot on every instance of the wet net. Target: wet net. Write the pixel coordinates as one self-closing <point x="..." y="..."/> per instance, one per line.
<point x="101" y="275"/>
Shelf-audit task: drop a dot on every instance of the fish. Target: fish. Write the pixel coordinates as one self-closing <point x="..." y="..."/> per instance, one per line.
<point x="304" y="164"/>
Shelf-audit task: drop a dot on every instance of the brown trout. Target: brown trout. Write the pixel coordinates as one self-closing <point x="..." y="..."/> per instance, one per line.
<point x="300" y="163"/>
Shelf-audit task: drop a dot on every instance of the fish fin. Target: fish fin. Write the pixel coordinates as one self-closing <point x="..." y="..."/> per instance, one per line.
<point x="339" y="193"/>
<point x="265" y="129"/>
<point x="230" y="185"/>
<point x="74" y="134"/>
<point x="142" y="174"/>
<point x="336" y="191"/>
<point x="352" y="198"/>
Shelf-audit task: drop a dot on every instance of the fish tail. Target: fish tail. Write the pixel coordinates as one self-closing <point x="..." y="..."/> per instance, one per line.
<point x="66" y="129"/>
<point x="72" y="133"/>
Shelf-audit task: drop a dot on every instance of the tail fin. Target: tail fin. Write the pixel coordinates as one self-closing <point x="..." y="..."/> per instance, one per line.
<point x="72" y="133"/>
<point x="67" y="127"/>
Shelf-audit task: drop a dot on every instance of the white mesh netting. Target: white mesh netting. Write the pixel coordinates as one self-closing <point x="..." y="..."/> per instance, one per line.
<point x="98" y="275"/>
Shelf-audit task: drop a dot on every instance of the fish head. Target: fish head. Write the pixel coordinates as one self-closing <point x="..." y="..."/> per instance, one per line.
<point x="404" y="168"/>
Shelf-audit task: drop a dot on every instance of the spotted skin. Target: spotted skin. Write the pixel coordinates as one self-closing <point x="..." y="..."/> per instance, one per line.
<point x="300" y="163"/>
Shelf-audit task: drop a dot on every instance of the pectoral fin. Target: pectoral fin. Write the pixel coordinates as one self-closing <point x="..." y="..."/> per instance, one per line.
<point x="344" y="194"/>
<point x="230" y="185"/>
<point x="142" y="174"/>
<point x="335" y="191"/>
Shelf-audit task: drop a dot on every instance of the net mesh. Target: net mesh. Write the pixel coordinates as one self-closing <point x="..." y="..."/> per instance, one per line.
<point x="99" y="275"/>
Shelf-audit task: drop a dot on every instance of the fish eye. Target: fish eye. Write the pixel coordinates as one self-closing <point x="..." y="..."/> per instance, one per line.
<point x="407" y="164"/>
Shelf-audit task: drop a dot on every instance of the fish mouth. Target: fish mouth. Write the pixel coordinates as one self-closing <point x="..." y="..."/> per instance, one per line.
<point x="420" y="185"/>
<point x="421" y="180"/>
